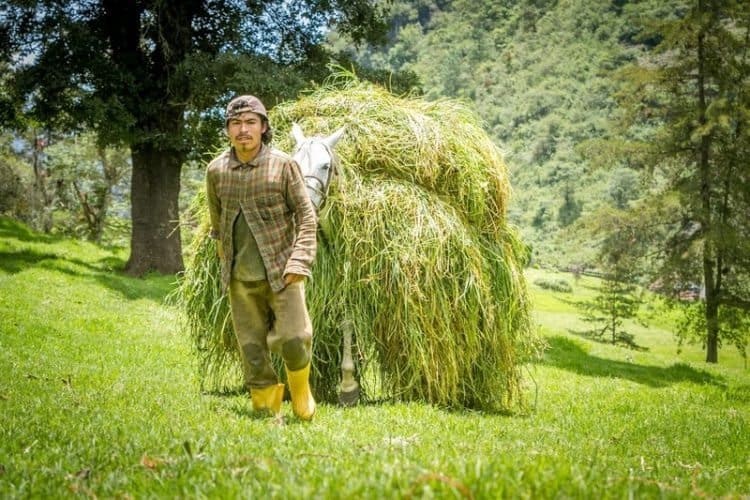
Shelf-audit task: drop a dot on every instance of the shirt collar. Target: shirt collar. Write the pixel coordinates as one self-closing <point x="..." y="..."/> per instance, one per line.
<point x="235" y="163"/>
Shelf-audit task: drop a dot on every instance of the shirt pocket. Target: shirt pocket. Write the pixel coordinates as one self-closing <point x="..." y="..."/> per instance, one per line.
<point x="271" y="206"/>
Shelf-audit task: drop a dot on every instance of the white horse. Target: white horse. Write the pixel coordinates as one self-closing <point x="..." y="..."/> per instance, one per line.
<point x="317" y="161"/>
<point x="315" y="157"/>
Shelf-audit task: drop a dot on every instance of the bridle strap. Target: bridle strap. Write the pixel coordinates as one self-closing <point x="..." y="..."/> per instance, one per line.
<point x="323" y="185"/>
<point x="322" y="189"/>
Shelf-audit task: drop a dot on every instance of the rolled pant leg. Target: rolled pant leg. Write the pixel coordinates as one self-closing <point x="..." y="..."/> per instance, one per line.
<point x="291" y="336"/>
<point x="251" y="317"/>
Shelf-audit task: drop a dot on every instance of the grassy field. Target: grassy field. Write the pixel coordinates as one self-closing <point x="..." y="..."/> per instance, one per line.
<point x="98" y="397"/>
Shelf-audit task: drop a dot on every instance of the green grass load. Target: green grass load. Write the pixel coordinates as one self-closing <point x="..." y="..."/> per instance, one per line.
<point x="414" y="249"/>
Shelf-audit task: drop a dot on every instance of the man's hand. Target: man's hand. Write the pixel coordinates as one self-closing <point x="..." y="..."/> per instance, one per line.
<point x="293" y="278"/>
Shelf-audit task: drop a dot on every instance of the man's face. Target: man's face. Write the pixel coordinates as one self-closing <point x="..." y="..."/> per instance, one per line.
<point x="245" y="132"/>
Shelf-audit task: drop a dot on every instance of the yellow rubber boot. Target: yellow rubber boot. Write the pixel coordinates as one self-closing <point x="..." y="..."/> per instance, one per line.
<point x="303" y="403"/>
<point x="268" y="398"/>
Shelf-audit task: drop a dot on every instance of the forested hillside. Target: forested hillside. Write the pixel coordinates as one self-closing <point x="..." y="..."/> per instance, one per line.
<point x="540" y="74"/>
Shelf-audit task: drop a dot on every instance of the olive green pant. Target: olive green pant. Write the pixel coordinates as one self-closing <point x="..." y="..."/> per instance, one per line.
<point x="266" y="321"/>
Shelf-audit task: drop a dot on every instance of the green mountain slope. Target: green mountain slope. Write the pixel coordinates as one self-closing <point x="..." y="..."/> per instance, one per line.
<point x="539" y="73"/>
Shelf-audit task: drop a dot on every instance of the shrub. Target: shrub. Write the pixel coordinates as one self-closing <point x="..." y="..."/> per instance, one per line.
<point x="558" y="285"/>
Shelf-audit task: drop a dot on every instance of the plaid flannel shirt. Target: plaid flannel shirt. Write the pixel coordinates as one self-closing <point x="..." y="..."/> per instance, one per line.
<point x="270" y="191"/>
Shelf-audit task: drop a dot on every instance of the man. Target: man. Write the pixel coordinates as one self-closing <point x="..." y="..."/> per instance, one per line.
<point x="265" y="225"/>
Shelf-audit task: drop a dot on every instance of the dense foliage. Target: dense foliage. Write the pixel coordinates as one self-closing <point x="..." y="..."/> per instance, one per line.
<point x="148" y="75"/>
<point x="693" y="91"/>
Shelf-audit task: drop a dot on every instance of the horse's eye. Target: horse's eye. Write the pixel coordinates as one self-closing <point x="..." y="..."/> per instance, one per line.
<point x="326" y="166"/>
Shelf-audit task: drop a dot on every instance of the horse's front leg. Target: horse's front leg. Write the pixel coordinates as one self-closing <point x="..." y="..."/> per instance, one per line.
<point x="349" y="392"/>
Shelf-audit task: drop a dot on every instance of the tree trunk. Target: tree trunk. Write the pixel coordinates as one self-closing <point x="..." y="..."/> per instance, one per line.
<point x="104" y="201"/>
<point x="712" y="331"/>
<point x="155" y="186"/>
<point x="712" y="286"/>
<point x="40" y="178"/>
<point x="112" y="175"/>
<point x="91" y="214"/>
<point x="704" y="166"/>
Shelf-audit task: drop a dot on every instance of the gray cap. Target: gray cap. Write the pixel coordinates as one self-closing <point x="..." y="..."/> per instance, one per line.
<point x="243" y="104"/>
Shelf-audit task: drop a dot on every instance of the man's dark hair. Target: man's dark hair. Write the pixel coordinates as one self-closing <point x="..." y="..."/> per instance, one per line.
<point x="268" y="134"/>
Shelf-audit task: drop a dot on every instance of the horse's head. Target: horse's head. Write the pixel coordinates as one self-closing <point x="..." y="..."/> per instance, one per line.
<point x="317" y="161"/>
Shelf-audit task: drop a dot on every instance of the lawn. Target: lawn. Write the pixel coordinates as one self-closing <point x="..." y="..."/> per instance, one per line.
<point x="99" y="397"/>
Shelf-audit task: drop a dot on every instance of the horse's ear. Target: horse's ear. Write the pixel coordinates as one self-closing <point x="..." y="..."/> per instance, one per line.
<point x="332" y="139"/>
<point x="299" y="136"/>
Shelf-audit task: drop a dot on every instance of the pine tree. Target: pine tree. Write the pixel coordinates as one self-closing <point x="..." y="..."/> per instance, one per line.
<point x="616" y="301"/>
<point x="619" y="296"/>
<point x="693" y="92"/>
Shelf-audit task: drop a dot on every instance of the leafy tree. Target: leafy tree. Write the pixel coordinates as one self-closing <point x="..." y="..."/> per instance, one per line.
<point x="27" y="179"/>
<point x="570" y="209"/>
<point x="734" y="324"/>
<point x="17" y="195"/>
<point x="623" y="187"/>
<point x="541" y="217"/>
<point x="87" y="175"/>
<point x="61" y="184"/>
<point x="142" y="73"/>
<point x="694" y="91"/>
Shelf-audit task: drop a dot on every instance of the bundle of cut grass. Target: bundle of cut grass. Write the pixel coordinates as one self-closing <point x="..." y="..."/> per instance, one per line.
<point x="414" y="252"/>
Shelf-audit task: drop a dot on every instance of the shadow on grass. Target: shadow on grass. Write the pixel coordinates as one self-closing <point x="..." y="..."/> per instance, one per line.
<point x="568" y="355"/>
<point x="229" y="392"/>
<point x="241" y="405"/>
<point x="739" y="393"/>
<point x="576" y="303"/>
<point x="15" y="262"/>
<point x="103" y="272"/>
<point x="12" y="229"/>
<point x="623" y="339"/>
<point x="107" y="271"/>
<point x="138" y="288"/>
